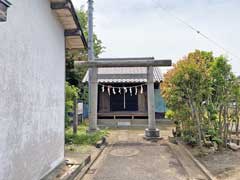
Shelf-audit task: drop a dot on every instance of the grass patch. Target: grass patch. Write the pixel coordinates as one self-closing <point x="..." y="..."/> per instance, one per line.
<point x="78" y="148"/>
<point x="82" y="137"/>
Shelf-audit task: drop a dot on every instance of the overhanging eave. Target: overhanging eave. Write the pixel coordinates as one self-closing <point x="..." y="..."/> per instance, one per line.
<point x="66" y="14"/>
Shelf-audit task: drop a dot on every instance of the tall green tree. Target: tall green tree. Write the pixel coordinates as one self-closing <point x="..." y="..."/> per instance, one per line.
<point x="236" y="100"/>
<point x="222" y="94"/>
<point x="75" y="75"/>
<point x="185" y="87"/>
<point x="83" y="19"/>
<point x="204" y="96"/>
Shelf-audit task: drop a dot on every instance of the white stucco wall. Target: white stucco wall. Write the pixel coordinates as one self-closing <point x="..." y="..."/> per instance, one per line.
<point x="32" y="67"/>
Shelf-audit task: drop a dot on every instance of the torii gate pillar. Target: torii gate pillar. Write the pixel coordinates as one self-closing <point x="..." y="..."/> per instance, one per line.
<point x="93" y="84"/>
<point x="151" y="131"/>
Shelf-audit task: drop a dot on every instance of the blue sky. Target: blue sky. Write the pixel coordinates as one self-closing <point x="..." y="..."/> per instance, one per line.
<point x="132" y="28"/>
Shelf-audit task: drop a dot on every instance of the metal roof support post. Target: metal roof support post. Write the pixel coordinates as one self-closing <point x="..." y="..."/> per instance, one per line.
<point x="151" y="131"/>
<point x="93" y="86"/>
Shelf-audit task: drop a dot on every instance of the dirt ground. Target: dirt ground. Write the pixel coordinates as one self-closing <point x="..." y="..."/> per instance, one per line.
<point x="224" y="165"/>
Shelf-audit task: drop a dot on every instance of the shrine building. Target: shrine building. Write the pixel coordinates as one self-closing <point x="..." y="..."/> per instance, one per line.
<point x="122" y="96"/>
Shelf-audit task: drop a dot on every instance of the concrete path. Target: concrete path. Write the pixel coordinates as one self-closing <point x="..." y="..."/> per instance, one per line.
<point x="129" y="157"/>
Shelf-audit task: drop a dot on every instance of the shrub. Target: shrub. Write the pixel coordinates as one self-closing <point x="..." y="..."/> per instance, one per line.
<point x="169" y="114"/>
<point x="218" y="140"/>
<point x="82" y="137"/>
<point x="190" y="140"/>
<point x="211" y="134"/>
<point x="71" y="93"/>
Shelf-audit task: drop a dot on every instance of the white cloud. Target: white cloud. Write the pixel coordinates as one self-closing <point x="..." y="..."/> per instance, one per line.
<point x="141" y="28"/>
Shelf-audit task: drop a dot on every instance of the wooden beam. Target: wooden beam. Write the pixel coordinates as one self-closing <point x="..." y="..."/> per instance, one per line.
<point x="124" y="63"/>
<point x="4" y="5"/>
<point x="59" y="5"/>
<point x="72" y="32"/>
<point x="68" y="6"/>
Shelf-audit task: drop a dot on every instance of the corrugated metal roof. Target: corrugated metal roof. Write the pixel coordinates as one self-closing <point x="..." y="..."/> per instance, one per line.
<point x="125" y="75"/>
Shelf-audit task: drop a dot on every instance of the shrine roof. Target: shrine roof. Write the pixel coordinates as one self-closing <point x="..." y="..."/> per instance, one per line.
<point x="125" y="75"/>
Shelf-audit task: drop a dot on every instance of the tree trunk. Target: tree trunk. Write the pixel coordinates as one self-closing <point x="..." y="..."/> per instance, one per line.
<point x="201" y="119"/>
<point x="75" y="116"/>
<point x="237" y="117"/>
<point x="220" y="121"/>
<point x="195" y="115"/>
<point x="225" y="125"/>
<point x="198" y="127"/>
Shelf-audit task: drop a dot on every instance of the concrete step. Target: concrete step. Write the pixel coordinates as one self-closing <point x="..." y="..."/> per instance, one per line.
<point x="123" y="122"/>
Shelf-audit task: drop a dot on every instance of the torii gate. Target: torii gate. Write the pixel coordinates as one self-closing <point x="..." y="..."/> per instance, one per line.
<point x="93" y="64"/>
<point x="151" y="131"/>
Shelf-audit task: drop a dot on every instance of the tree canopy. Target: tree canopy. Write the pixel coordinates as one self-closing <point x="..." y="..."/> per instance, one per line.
<point x="202" y="93"/>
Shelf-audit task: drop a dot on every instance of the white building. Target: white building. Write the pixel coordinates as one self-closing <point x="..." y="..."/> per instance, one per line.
<point x="32" y="66"/>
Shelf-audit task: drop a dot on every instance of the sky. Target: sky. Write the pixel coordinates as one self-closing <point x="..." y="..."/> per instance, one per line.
<point x="139" y="28"/>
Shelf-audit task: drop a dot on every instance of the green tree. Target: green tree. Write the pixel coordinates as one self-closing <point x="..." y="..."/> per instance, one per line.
<point x="98" y="46"/>
<point x="71" y="93"/>
<point x="185" y="88"/>
<point x="236" y="100"/>
<point x="75" y="75"/>
<point x="204" y="95"/>
<point x="222" y="95"/>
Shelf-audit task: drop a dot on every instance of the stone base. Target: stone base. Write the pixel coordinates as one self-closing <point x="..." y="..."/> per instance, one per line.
<point x="152" y="134"/>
